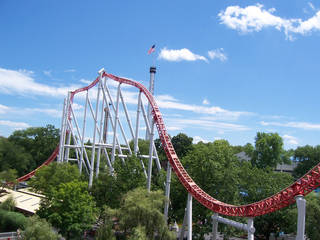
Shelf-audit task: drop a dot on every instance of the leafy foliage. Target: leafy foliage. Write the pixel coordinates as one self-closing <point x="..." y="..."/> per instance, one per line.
<point x="69" y="208"/>
<point x="38" y="229"/>
<point x="48" y="178"/>
<point x="11" y="221"/>
<point x="308" y="157"/>
<point x="109" y="189"/>
<point x="268" y="150"/>
<point x="7" y="178"/>
<point x="9" y="204"/>
<point x="140" y="215"/>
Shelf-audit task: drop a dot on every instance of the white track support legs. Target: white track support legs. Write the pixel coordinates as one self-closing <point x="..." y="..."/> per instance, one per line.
<point x="189" y="216"/>
<point x="251" y="229"/>
<point x="150" y="156"/>
<point x="214" y="226"/>
<point x="301" y="205"/>
<point x="168" y="182"/>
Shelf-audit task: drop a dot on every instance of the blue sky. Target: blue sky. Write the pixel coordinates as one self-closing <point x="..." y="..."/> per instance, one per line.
<point x="225" y="69"/>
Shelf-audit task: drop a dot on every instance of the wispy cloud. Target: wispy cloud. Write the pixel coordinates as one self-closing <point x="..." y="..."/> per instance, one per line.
<point x="70" y="70"/>
<point x="290" y="140"/>
<point x="15" y="125"/>
<point x="176" y="55"/>
<point x="22" y="82"/>
<point x="217" y="54"/>
<point x="205" y="124"/>
<point x="299" y="125"/>
<point x="205" y="101"/>
<point x="197" y="139"/>
<point x="3" y="109"/>
<point x="47" y="73"/>
<point x="254" y="18"/>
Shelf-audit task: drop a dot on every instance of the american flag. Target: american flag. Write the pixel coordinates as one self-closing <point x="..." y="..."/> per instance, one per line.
<point x="152" y="49"/>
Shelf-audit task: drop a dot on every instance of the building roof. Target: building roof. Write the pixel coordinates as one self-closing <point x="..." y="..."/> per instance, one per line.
<point x="26" y="201"/>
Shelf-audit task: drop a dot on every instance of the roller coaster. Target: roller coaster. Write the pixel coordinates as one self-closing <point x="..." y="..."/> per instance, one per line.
<point x="104" y="112"/>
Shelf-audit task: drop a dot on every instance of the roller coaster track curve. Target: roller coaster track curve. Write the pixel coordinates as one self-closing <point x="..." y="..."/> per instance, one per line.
<point x="284" y="198"/>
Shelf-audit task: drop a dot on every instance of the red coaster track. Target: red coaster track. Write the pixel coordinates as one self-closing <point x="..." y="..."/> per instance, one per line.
<point x="303" y="186"/>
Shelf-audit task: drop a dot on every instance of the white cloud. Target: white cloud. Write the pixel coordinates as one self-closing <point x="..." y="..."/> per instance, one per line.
<point x="70" y="70"/>
<point x="217" y="54"/>
<point x="85" y="81"/>
<point x="47" y="73"/>
<point x="21" y="82"/>
<point x="254" y="18"/>
<point x="311" y="6"/>
<point x="290" y="140"/>
<point x="15" y="125"/>
<point x="300" y="125"/>
<point x="205" y="124"/>
<point x="176" y="55"/>
<point x="197" y="139"/>
<point x="3" y="109"/>
<point x="205" y="101"/>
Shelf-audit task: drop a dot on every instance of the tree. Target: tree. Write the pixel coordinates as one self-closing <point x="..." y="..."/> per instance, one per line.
<point x="38" y="229"/>
<point x="39" y="142"/>
<point x="13" y="156"/>
<point x="268" y="150"/>
<point x="70" y="208"/>
<point x="140" y="215"/>
<point x="48" y="179"/>
<point x="307" y="157"/>
<point x="182" y="144"/>
<point x="109" y="189"/>
<point x="313" y="216"/>
<point x="7" y="179"/>
<point x="11" y="221"/>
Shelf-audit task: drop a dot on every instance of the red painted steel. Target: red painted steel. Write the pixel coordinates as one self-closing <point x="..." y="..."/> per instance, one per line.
<point x="303" y="186"/>
<point x="285" y="197"/>
<point x="47" y="162"/>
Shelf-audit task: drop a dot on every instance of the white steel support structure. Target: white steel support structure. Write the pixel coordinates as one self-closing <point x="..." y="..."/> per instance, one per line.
<point x="249" y="228"/>
<point x="301" y="205"/>
<point x="153" y="71"/>
<point x="95" y="123"/>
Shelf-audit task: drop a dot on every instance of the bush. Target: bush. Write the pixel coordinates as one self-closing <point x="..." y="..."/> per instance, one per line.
<point x="11" y="221"/>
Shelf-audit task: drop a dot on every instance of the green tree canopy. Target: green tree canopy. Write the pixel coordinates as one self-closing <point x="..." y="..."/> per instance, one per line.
<point x="307" y="157"/>
<point x="70" y="208"/>
<point x="48" y="178"/>
<point x="268" y="150"/>
<point x="140" y="215"/>
<point x="38" y="229"/>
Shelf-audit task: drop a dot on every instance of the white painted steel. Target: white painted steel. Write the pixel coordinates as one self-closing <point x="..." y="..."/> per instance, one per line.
<point x="301" y="205"/>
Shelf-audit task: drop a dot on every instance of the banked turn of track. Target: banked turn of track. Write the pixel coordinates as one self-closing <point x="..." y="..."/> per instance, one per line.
<point x="285" y="197"/>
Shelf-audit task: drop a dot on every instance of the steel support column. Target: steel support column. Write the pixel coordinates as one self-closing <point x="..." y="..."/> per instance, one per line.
<point x="301" y="205"/>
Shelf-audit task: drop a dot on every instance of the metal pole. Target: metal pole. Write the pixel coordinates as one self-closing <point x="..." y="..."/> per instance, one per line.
<point x="183" y="227"/>
<point x="168" y="182"/>
<point x="115" y="126"/>
<point x="137" y="126"/>
<point x="83" y="132"/>
<point x="91" y="167"/>
<point x="251" y="229"/>
<point x="301" y="204"/>
<point x="151" y="90"/>
<point x="62" y="132"/>
<point x="189" y="219"/>
<point x="214" y="226"/>
<point x="150" y="156"/>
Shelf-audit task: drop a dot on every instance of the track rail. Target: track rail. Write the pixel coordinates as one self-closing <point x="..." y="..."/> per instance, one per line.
<point x="285" y="197"/>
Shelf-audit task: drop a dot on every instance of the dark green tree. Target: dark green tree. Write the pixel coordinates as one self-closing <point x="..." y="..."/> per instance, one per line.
<point x="307" y="157"/>
<point x="39" y="142"/>
<point x="38" y="229"/>
<point x="48" y="178"/>
<point x="268" y="150"/>
<point x="140" y="215"/>
<point x="182" y="144"/>
<point x="70" y="208"/>
<point x="109" y="189"/>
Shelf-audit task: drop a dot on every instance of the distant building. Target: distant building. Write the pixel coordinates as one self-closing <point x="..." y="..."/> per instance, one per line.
<point x="288" y="168"/>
